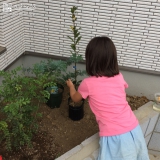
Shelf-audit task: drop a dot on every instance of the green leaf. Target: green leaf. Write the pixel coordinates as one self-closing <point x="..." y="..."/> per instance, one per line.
<point x="77" y="34"/>
<point x="73" y="47"/>
<point x="71" y="38"/>
<point x="78" y="39"/>
<point x="72" y="10"/>
<point x="75" y="8"/>
<point x="75" y="31"/>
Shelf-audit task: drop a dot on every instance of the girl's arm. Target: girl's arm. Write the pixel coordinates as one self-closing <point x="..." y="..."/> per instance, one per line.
<point x="76" y="96"/>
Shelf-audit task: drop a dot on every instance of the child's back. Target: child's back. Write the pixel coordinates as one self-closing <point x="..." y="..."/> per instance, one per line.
<point x="107" y="100"/>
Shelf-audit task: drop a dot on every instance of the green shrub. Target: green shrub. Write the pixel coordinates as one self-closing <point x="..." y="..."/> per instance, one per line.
<point x="20" y="99"/>
<point x="54" y="70"/>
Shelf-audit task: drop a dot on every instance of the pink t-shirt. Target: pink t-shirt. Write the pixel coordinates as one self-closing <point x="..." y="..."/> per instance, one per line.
<point x="107" y="100"/>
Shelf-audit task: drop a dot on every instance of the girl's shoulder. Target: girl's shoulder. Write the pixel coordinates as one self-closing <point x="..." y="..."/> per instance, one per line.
<point x="120" y="74"/>
<point x="87" y="79"/>
<point x="90" y="78"/>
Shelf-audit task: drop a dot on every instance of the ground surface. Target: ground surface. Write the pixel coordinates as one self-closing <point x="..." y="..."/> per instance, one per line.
<point x="58" y="133"/>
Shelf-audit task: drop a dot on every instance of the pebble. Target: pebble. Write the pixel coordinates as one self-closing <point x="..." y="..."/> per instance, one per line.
<point x="153" y="157"/>
<point x="49" y="117"/>
<point x="88" y="117"/>
<point x="34" y="143"/>
<point x="128" y="99"/>
<point x="35" y="157"/>
<point x="53" y="145"/>
<point x="53" y="123"/>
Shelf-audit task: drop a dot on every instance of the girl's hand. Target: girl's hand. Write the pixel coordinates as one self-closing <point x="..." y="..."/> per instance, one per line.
<point x="76" y="96"/>
<point x="69" y="83"/>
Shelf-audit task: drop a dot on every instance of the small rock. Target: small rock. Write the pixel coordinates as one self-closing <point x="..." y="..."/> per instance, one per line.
<point x="128" y="99"/>
<point x="35" y="157"/>
<point x="49" y="117"/>
<point x="53" y="145"/>
<point x="34" y="143"/>
<point x="88" y="116"/>
<point x="53" y="123"/>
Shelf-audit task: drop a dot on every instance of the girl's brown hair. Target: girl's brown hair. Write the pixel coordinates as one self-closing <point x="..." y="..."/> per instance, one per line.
<point x="101" y="57"/>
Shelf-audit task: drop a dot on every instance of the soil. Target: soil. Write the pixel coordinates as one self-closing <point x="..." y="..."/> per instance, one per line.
<point x="73" y="104"/>
<point x="58" y="133"/>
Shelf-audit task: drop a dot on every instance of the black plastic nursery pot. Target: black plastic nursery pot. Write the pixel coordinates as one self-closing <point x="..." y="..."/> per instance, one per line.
<point x="76" y="113"/>
<point x="55" y="98"/>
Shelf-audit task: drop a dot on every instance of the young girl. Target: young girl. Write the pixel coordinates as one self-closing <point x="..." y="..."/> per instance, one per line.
<point x="121" y="137"/>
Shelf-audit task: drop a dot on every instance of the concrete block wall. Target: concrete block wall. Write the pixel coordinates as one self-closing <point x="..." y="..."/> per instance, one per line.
<point x="149" y="121"/>
<point x="1" y="33"/>
<point x="133" y="25"/>
<point x="11" y="31"/>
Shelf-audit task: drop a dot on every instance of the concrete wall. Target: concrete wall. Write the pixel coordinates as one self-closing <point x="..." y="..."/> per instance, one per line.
<point x="12" y="31"/>
<point x="88" y="149"/>
<point x="142" y="84"/>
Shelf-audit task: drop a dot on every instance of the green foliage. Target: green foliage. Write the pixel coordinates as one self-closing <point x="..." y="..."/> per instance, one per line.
<point x="75" y="56"/>
<point x="20" y="98"/>
<point x="51" y="68"/>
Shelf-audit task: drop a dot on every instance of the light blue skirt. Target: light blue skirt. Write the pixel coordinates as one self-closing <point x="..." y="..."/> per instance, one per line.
<point x="128" y="146"/>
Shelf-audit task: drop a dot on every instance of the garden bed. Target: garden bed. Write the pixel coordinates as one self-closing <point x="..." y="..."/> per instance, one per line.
<point x="58" y="134"/>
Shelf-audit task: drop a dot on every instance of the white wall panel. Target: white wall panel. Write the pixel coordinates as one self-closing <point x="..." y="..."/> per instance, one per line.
<point x="12" y="31"/>
<point x="133" y="25"/>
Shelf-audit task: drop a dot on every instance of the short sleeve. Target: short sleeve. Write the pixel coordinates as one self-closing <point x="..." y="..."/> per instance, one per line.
<point x="125" y="83"/>
<point x="83" y="89"/>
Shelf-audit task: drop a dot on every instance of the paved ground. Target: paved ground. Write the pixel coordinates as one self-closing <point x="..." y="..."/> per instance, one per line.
<point x="95" y="155"/>
<point x="154" y="157"/>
